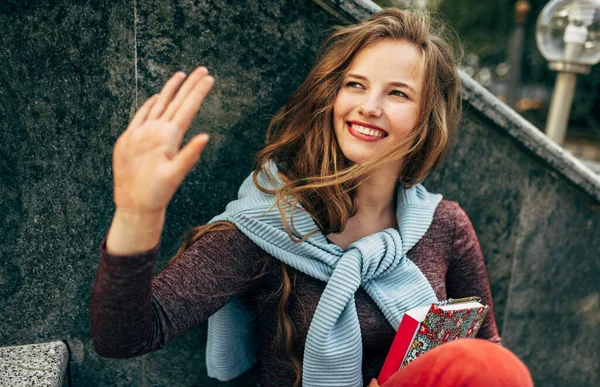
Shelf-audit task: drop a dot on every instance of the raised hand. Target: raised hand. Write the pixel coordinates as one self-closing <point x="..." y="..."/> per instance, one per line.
<point x="148" y="164"/>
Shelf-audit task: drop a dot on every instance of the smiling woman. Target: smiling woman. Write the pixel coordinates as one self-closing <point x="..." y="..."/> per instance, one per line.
<point x="332" y="238"/>
<point x="378" y="104"/>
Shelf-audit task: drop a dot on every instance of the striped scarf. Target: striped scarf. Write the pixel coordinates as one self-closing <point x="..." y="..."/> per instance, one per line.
<point x="378" y="263"/>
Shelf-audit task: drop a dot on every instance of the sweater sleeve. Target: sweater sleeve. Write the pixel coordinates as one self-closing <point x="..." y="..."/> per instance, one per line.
<point x="467" y="275"/>
<point x="133" y="314"/>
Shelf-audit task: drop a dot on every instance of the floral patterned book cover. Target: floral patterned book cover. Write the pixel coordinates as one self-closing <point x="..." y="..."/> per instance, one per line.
<point x="441" y="326"/>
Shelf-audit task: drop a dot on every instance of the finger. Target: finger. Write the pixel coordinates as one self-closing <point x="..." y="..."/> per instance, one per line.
<point x="184" y="116"/>
<point x="189" y="156"/>
<point x="142" y="114"/>
<point x="195" y="77"/>
<point x="166" y="95"/>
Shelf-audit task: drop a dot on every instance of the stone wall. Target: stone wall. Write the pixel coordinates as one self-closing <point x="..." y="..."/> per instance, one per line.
<point x="73" y="73"/>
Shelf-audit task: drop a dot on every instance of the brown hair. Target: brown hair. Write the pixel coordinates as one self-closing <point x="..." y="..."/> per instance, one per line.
<point x="301" y="139"/>
<point x="302" y="143"/>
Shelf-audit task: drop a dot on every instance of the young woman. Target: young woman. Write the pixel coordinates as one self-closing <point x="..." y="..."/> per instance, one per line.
<point x="332" y="237"/>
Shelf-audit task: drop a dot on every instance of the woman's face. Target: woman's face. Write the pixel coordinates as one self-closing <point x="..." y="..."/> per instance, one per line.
<point x="378" y="103"/>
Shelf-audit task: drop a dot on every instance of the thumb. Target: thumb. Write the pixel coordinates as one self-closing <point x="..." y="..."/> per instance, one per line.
<point x="189" y="155"/>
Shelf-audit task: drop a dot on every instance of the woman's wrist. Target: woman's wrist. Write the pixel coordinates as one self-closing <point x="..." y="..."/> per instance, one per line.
<point x="133" y="232"/>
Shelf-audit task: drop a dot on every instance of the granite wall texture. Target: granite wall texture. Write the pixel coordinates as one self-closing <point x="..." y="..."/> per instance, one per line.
<point x="72" y="74"/>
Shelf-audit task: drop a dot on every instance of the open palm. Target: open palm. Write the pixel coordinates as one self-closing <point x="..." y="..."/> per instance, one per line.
<point x="148" y="164"/>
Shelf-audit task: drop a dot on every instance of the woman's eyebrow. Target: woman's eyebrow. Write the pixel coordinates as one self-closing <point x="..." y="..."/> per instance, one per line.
<point x="395" y="84"/>
<point x="402" y="84"/>
<point x="362" y="78"/>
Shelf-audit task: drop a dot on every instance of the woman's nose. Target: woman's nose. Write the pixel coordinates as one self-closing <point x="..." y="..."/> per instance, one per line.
<point x="370" y="107"/>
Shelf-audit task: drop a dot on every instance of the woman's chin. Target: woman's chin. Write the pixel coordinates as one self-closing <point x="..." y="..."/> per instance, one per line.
<point x="358" y="157"/>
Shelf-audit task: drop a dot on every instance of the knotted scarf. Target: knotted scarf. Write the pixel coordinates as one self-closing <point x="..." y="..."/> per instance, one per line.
<point x="378" y="263"/>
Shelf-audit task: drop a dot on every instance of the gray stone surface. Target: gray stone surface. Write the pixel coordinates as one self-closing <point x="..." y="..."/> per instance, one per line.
<point x="348" y="12"/>
<point x="530" y="137"/>
<point x="73" y="73"/>
<point x="68" y="85"/>
<point x="39" y="365"/>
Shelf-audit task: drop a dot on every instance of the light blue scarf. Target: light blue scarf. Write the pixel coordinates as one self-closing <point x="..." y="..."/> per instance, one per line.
<point x="378" y="263"/>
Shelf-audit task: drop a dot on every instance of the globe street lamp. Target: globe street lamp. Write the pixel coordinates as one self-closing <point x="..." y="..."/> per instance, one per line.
<point x="568" y="36"/>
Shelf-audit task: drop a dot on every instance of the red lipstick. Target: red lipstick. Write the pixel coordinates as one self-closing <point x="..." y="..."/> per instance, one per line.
<point x="362" y="136"/>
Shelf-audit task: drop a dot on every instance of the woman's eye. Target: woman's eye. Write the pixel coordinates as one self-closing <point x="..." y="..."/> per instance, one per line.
<point x="355" y="85"/>
<point x="399" y="94"/>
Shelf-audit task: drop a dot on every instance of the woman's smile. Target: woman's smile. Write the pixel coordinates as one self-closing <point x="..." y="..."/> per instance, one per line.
<point x="366" y="132"/>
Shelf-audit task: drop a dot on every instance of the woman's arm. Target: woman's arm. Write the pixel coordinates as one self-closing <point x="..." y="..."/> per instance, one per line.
<point x="133" y="314"/>
<point x="149" y="165"/>
<point x="467" y="275"/>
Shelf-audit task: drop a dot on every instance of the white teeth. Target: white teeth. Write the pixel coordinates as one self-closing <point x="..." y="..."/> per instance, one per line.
<point x="367" y="131"/>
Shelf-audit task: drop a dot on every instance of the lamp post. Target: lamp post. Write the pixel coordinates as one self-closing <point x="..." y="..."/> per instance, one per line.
<point x="515" y="56"/>
<point x="568" y="36"/>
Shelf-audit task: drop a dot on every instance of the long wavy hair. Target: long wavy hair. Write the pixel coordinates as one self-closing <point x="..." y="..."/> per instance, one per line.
<point x="302" y="143"/>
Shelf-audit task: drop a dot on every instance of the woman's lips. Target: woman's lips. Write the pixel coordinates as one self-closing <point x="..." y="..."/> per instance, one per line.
<point x="362" y="136"/>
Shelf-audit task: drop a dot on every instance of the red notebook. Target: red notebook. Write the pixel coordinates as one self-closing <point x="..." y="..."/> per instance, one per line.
<point x="424" y="328"/>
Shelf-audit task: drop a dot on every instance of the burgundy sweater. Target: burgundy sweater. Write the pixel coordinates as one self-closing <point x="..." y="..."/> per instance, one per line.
<point x="133" y="313"/>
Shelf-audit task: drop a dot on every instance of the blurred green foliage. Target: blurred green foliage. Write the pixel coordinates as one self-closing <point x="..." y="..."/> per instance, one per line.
<point x="485" y="28"/>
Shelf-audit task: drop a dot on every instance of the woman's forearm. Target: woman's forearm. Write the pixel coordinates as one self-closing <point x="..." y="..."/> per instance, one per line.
<point x="121" y="314"/>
